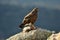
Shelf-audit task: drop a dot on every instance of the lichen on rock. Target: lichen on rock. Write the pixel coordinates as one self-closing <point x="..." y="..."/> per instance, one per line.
<point x="38" y="34"/>
<point x="55" y="36"/>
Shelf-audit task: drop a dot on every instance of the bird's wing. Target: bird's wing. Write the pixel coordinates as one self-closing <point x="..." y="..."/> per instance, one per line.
<point x="31" y="17"/>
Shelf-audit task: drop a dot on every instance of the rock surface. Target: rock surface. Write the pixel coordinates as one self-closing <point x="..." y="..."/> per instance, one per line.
<point x="38" y="34"/>
<point x="54" y="37"/>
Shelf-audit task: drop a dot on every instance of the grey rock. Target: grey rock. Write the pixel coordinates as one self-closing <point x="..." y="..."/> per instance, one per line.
<point x="38" y="34"/>
<point x="55" y="36"/>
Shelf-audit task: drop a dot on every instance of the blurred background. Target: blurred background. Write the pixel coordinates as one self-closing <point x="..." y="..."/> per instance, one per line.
<point x="12" y="13"/>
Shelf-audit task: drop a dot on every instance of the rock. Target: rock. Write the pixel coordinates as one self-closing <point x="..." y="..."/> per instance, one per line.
<point x="54" y="36"/>
<point x="38" y="34"/>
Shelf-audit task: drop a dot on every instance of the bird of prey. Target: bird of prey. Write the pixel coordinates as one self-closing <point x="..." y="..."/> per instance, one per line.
<point x="30" y="18"/>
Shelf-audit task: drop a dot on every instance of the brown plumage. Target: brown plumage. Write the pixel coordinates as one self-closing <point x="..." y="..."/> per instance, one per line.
<point x="30" y="18"/>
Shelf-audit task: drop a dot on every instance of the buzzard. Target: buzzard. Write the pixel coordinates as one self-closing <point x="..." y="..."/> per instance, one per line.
<point x="30" y="18"/>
